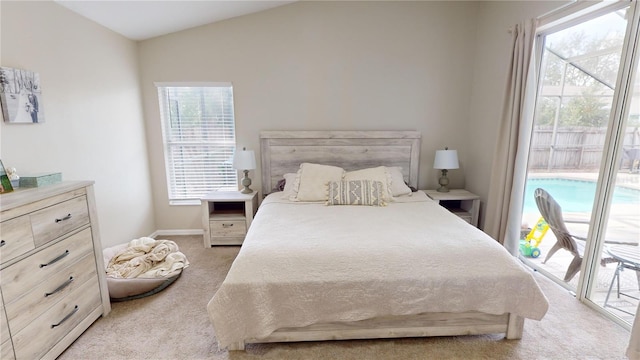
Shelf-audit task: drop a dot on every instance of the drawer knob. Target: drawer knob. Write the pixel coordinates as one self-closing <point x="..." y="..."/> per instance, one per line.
<point x="75" y="310"/>
<point x="59" y="288"/>
<point x="3" y="243"/>
<point x="60" y="257"/>
<point x="64" y="218"/>
<point x="227" y="225"/>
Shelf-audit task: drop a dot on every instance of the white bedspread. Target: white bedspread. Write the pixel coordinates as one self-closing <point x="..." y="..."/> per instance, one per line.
<point x="305" y="263"/>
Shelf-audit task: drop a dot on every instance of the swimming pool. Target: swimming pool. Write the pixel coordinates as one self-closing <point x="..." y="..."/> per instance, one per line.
<point x="574" y="195"/>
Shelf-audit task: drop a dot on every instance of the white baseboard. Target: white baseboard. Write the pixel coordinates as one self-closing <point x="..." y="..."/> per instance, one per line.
<point x="176" y="232"/>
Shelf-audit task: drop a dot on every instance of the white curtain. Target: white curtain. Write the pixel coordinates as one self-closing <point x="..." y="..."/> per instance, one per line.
<point x="508" y="173"/>
<point x="633" y="351"/>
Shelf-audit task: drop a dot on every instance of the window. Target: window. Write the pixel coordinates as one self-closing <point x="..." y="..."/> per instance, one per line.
<point x="198" y="131"/>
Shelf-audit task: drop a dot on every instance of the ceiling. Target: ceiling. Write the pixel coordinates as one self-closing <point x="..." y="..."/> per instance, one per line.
<point x="144" y="19"/>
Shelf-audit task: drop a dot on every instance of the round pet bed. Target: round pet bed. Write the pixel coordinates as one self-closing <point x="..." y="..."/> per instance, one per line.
<point x="134" y="288"/>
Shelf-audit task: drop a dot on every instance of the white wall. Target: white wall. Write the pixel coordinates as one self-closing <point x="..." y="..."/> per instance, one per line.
<point x="325" y="66"/>
<point x="491" y="64"/>
<point x="435" y="67"/>
<point x="91" y="99"/>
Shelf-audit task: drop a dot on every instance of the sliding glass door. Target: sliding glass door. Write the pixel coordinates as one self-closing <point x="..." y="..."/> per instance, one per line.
<point x="581" y="215"/>
<point x="615" y="284"/>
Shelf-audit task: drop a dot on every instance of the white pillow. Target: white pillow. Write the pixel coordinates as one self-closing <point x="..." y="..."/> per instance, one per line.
<point x="312" y="179"/>
<point x="289" y="181"/>
<point x="398" y="186"/>
<point x="379" y="173"/>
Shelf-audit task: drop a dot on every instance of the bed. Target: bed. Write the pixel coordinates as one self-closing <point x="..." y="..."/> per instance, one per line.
<point x="308" y="271"/>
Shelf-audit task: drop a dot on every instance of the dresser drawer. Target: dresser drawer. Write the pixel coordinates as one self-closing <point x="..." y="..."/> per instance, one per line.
<point x="59" y="219"/>
<point x="6" y="351"/>
<point x="6" y="348"/>
<point x="31" y="305"/>
<point x="228" y="228"/>
<point x="37" y="338"/>
<point x="4" y="328"/>
<point x="16" y="238"/>
<point x="19" y="278"/>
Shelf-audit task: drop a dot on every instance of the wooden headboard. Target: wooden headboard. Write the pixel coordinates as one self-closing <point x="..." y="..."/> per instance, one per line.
<point x="283" y="151"/>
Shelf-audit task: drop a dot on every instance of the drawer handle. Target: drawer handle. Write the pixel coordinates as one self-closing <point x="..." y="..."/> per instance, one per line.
<point x="56" y="259"/>
<point x="3" y="243"/>
<point x="75" y="310"/>
<point x="227" y="225"/>
<point x="64" y="218"/>
<point x="59" y="288"/>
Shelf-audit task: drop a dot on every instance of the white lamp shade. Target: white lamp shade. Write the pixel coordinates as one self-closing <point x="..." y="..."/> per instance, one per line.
<point x="446" y="159"/>
<point x="244" y="160"/>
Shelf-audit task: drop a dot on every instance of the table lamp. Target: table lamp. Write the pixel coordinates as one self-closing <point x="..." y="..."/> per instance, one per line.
<point x="245" y="160"/>
<point x="445" y="160"/>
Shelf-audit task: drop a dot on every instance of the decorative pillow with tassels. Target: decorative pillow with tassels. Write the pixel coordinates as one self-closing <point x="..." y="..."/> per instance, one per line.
<point x="356" y="192"/>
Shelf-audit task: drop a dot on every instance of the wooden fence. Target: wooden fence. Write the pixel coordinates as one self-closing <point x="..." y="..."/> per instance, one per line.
<point x="577" y="148"/>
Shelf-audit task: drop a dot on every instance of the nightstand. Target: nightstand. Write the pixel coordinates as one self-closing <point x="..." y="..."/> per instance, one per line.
<point x="226" y="216"/>
<point x="460" y="202"/>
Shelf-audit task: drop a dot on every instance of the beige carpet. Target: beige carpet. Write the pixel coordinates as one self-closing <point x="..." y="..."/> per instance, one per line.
<point x="173" y="324"/>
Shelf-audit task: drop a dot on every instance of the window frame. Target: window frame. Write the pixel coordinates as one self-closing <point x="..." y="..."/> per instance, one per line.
<point x="168" y="143"/>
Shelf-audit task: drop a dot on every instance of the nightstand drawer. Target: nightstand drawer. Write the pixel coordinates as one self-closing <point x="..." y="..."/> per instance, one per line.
<point x="461" y="202"/>
<point x="464" y="215"/>
<point x="228" y="228"/>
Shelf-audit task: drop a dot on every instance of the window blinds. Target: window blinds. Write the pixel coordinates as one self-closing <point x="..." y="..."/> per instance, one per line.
<point x="198" y="130"/>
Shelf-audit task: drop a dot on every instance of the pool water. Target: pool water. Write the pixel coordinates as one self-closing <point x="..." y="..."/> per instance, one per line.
<point x="574" y="195"/>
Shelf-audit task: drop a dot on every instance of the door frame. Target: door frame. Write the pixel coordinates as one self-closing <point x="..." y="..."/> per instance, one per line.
<point x="558" y="20"/>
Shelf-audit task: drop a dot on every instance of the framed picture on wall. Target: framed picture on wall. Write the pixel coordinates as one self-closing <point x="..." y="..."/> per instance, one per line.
<point x="20" y="96"/>
<point x="5" y="183"/>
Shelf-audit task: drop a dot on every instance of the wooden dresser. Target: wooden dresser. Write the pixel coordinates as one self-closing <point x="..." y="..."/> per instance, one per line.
<point x="52" y="276"/>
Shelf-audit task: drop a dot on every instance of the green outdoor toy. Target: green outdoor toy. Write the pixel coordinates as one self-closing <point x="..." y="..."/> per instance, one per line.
<point x="529" y="245"/>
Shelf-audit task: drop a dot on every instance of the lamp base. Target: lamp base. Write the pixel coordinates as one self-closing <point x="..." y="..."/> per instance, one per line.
<point x="444" y="182"/>
<point x="246" y="182"/>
